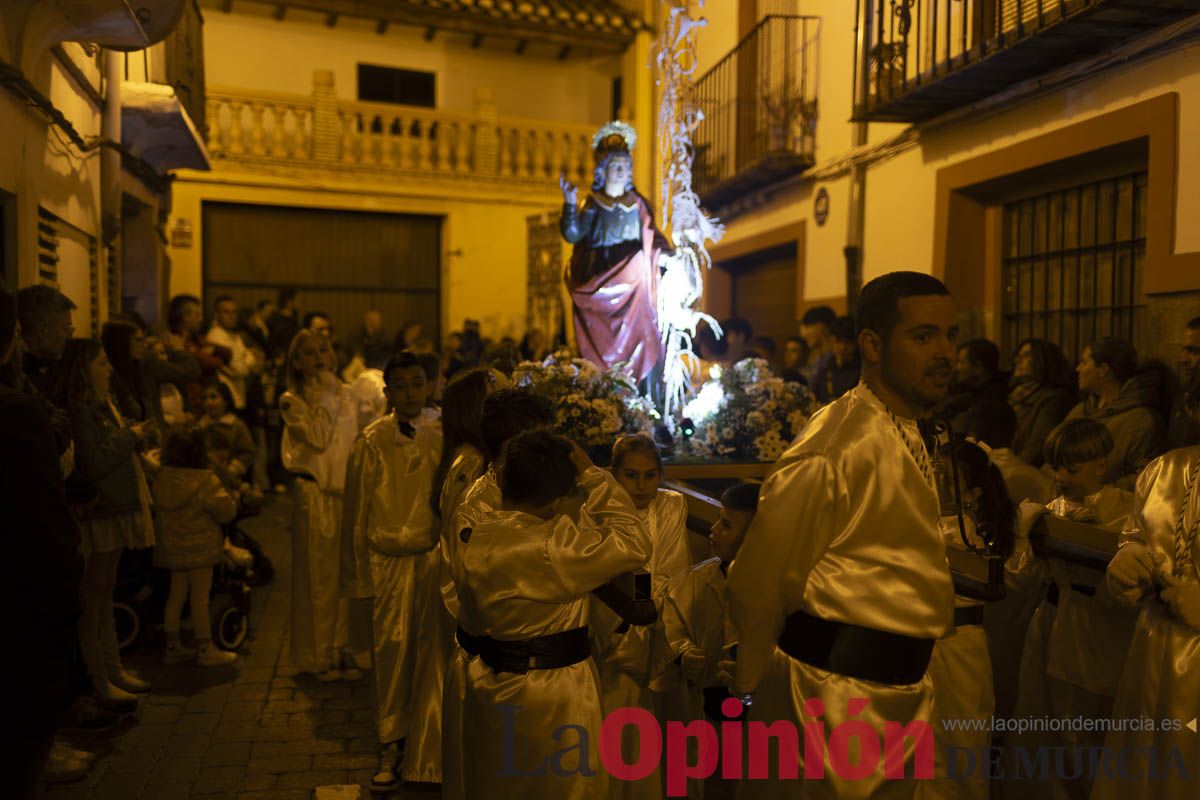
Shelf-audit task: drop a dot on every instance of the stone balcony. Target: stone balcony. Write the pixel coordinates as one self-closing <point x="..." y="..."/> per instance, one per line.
<point x="385" y="143"/>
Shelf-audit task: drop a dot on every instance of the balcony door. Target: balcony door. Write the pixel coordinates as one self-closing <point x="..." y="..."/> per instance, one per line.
<point x="342" y="263"/>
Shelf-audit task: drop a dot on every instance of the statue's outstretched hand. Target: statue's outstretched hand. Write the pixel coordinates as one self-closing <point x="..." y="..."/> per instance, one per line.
<point x="570" y="193"/>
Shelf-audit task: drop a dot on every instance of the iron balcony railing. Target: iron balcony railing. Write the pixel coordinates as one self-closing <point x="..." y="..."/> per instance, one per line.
<point x="923" y="57"/>
<point x="760" y="109"/>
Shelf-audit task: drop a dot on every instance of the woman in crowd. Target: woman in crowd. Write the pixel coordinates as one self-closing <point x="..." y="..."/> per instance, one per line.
<point x="1126" y="400"/>
<point x="124" y="344"/>
<point x="1041" y="393"/>
<point x="320" y="421"/>
<point x="635" y="668"/>
<point x="107" y="459"/>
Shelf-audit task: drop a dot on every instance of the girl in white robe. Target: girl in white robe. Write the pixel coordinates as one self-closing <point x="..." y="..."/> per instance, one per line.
<point x="320" y="418"/>
<point x="636" y="664"/>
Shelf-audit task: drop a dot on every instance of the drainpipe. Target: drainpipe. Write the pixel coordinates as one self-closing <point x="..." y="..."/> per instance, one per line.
<point x="855" y="221"/>
<point x="110" y="157"/>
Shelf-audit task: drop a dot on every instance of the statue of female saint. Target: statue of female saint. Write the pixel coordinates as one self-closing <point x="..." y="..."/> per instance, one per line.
<point x="614" y="269"/>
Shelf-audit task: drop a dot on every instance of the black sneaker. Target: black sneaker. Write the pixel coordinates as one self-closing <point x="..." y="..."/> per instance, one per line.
<point x="387" y="776"/>
<point x="87" y="716"/>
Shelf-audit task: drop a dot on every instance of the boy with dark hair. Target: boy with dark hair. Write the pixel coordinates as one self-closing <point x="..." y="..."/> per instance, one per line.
<point x="524" y="584"/>
<point x="841" y="370"/>
<point x="389" y="554"/>
<point x="1076" y="643"/>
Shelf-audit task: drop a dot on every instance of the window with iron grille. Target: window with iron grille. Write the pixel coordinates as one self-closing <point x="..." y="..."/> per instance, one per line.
<point x="1072" y="264"/>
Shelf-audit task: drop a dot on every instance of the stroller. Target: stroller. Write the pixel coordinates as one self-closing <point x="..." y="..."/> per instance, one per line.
<point x="141" y="594"/>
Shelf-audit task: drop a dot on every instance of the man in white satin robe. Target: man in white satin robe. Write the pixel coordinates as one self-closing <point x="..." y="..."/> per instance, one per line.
<point x="842" y="584"/>
<point x="390" y="554"/>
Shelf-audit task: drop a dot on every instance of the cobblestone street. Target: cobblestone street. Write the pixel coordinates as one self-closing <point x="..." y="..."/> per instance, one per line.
<point x="253" y="731"/>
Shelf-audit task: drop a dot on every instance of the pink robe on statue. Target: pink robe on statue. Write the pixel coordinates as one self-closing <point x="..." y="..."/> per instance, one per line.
<point x="616" y="308"/>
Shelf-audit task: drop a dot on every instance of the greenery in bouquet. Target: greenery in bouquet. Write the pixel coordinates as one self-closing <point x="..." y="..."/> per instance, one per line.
<point x="593" y="405"/>
<point x="747" y="413"/>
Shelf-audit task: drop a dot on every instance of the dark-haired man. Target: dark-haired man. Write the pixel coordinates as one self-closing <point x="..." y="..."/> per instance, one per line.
<point x="185" y="319"/>
<point x="226" y="332"/>
<point x="738" y="334"/>
<point x="389" y="553"/>
<point x="841" y="586"/>
<point x="45" y="317"/>
<point x="1184" y="430"/>
<point x="282" y="324"/>
<point x="977" y="378"/>
<point x="841" y="371"/>
<point x="816" y="328"/>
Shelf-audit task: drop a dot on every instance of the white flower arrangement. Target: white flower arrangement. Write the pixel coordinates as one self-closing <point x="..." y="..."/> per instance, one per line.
<point x="592" y="405"/>
<point x="748" y="413"/>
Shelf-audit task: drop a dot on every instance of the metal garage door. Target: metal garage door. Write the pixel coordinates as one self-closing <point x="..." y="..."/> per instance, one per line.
<point x="340" y="262"/>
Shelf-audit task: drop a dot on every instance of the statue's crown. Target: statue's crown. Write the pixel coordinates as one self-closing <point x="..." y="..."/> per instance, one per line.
<point x="616" y="135"/>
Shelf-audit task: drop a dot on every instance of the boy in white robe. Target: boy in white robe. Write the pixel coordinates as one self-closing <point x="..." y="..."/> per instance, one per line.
<point x="390" y="554"/>
<point x="1079" y="635"/>
<point x="523" y="583"/>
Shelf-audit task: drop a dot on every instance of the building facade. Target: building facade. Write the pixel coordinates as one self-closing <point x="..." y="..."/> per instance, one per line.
<point x="1034" y="156"/>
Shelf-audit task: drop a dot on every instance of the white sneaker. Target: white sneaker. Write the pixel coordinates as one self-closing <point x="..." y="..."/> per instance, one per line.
<point x="63" y="751"/>
<point x="331" y="675"/>
<point x="63" y="769"/>
<point x="113" y="694"/>
<point x="177" y="654"/>
<point x="210" y="656"/>
<point x="130" y="682"/>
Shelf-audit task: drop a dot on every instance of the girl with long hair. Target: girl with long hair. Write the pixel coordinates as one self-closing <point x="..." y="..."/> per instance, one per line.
<point x="320" y="420"/>
<point x="635" y="668"/>
<point x="1041" y="392"/>
<point x="107" y="461"/>
<point x="125" y="345"/>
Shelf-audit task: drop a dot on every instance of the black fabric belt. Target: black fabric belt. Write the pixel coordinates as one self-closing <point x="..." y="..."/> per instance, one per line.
<point x="554" y="651"/>
<point x="968" y="615"/>
<point x="1053" y="595"/>
<point x="854" y="651"/>
<point x="641" y="591"/>
<point x="468" y="642"/>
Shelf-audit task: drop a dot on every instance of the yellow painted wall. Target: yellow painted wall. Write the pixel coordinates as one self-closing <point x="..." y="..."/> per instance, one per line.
<point x="900" y="193"/>
<point x="530" y="86"/>
<point x="39" y="167"/>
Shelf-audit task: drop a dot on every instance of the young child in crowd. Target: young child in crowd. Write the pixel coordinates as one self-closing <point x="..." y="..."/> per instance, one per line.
<point x="191" y="505"/>
<point x="1076" y="644"/>
<point x="389" y="553"/>
<point x="694" y="618"/>
<point x="219" y="416"/>
<point x="523" y="586"/>
<point x="960" y="667"/>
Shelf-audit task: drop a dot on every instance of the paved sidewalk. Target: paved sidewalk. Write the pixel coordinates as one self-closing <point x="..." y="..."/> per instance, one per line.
<point x="253" y="731"/>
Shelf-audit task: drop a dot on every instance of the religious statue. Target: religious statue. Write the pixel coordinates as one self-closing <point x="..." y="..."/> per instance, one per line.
<point x="614" y="270"/>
